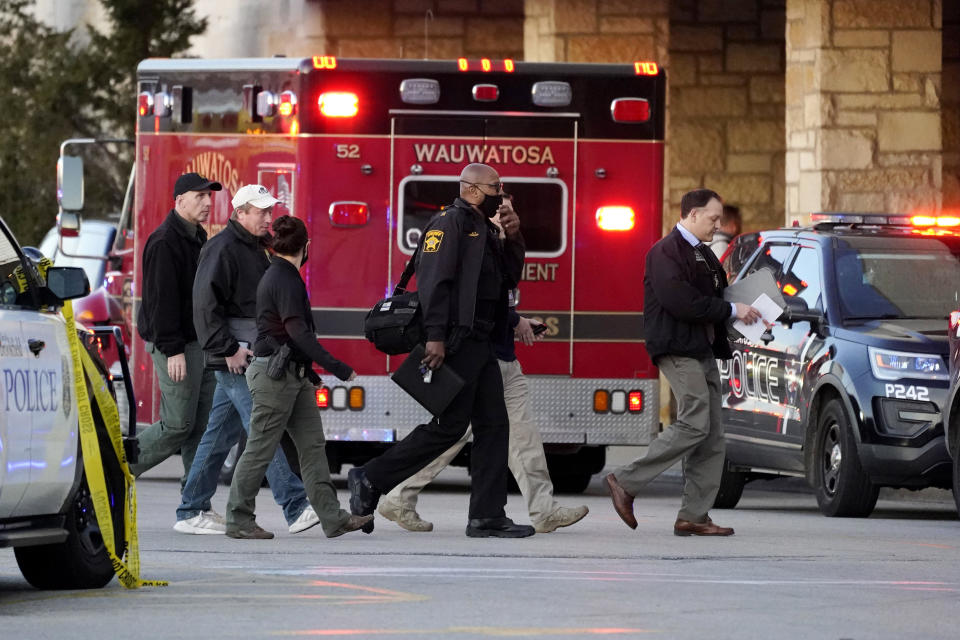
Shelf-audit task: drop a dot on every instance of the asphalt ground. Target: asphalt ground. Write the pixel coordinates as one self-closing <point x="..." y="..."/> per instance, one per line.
<point x="788" y="572"/>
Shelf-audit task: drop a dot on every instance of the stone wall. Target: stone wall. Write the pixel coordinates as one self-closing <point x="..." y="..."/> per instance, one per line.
<point x="863" y="87"/>
<point x="726" y="114"/>
<point x="596" y="30"/>
<point x="396" y="29"/>
<point x="950" y="106"/>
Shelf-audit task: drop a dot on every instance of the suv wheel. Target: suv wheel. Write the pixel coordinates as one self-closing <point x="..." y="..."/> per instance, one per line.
<point x="81" y="561"/>
<point x="731" y="488"/>
<point x="842" y="487"/>
<point x="956" y="480"/>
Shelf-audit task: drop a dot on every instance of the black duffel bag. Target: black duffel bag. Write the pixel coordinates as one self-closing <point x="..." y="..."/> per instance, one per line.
<point x="395" y="324"/>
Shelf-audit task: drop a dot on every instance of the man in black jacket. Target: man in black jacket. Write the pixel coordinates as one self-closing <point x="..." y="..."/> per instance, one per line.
<point x="685" y="319"/>
<point x="165" y="322"/>
<point x="224" y="314"/>
<point x="464" y="274"/>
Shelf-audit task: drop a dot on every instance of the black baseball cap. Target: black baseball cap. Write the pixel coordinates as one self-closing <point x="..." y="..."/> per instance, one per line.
<point x="194" y="182"/>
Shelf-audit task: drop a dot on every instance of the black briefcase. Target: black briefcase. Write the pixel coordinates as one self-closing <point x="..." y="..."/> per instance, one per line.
<point x="435" y="396"/>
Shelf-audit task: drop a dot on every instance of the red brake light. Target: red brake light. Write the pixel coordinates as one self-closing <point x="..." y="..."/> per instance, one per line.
<point x="349" y="214"/>
<point x="615" y="218"/>
<point x="323" y="397"/>
<point x="339" y="104"/>
<point x="635" y="401"/>
<point x="630" y="110"/>
<point x="646" y="68"/>
<point x="485" y="92"/>
<point x="145" y="104"/>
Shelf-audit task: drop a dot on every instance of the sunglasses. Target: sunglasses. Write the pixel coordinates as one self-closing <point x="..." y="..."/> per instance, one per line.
<point x="495" y="185"/>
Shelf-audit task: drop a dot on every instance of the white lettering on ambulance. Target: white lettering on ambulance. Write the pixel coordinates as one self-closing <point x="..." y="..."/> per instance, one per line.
<point x="215" y="166"/>
<point x="546" y="272"/>
<point x="489" y="154"/>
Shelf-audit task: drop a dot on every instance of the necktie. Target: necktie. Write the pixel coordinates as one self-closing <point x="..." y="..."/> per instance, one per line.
<point x="702" y="251"/>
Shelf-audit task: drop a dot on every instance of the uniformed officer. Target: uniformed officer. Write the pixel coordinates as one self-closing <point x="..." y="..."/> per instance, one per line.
<point x="464" y="274"/>
<point x="287" y="402"/>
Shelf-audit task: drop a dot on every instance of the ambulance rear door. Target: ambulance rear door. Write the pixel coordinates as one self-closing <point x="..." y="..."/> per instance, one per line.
<point x="535" y="155"/>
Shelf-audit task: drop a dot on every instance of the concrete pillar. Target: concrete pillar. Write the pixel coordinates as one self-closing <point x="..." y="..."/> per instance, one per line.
<point x="863" y="88"/>
<point x="725" y="130"/>
<point x="950" y="106"/>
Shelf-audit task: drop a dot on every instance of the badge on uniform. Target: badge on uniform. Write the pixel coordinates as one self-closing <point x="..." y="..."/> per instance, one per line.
<point x="431" y="244"/>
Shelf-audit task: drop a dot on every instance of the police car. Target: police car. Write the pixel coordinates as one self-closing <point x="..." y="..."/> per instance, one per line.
<point x="46" y="511"/>
<point x="952" y="414"/>
<point x="847" y="389"/>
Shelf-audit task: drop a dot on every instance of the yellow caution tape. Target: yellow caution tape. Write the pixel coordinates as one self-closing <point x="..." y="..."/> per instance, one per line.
<point x="127" y="573"/>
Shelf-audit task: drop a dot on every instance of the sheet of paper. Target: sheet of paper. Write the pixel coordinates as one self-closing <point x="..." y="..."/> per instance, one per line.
<point x="769" y="311"/>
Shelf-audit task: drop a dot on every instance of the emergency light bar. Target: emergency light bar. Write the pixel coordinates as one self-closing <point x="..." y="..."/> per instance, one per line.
<point x="886" y="219"/>
<point x="145" y="103"/>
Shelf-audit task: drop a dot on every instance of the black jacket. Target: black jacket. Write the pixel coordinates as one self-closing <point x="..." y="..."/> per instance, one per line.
<point x="459" y="245"/>
<point x="170" y="259"/>
<point x="225" y="292"/>
<point x="680" y="300"/>
<point x="284" y="316"/>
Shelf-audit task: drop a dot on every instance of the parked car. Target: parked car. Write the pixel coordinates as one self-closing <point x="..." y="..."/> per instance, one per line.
<point x="951" y="414"/>
<point x="847" y="390"/>
<point x="46" y="509"/>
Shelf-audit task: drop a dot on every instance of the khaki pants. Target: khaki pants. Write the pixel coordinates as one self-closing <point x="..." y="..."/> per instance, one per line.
<point x="525" y="458"/>
<point x="288" y="404"/>
<point x="184" y="407"/>
<point x="696" y="437"/>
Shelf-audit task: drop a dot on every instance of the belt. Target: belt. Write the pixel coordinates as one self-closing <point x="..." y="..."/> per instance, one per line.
<point x="296" y="368"/>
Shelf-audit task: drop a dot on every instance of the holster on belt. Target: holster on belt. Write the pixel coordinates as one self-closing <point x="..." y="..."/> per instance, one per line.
<point x="278" y="362"/>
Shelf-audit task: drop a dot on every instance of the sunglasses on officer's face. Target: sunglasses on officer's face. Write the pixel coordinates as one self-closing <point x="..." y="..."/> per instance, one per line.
<point x="497" y="186"/>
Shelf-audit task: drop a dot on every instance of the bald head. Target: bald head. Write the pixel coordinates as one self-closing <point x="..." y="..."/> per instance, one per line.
<point x="477" y="181"/>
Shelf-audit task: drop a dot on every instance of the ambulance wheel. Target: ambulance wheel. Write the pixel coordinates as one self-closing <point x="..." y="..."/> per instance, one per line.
<point x="571" y="483"/>
<point x="843" y="489"/>
<point x="81" y="561"/>
<point x="731" y="488"/>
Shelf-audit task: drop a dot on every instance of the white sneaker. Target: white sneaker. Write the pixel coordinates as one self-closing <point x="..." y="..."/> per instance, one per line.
<point x="307" y="519"/>
<point x="202" y="524"/>
<point x="216" y="517"/>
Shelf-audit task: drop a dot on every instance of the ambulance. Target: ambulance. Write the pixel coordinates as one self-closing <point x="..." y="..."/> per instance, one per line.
<point x="365" y="151"/>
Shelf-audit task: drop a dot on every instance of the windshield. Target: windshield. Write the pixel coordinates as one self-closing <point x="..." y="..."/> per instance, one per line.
<point x="907" y="278"/>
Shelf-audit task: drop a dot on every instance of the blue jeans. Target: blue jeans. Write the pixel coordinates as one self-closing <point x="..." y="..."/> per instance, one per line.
<point x="230" y="413"/>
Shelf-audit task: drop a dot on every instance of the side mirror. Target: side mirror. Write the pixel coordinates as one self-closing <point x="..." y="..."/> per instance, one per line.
<point x="70" y="183"/>
<point x="68" y="224"/>
<point x="67" y="283"/>
<point x="798" y="311"/>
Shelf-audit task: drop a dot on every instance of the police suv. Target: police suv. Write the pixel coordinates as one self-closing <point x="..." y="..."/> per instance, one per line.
<point x="46" y="511"/>
<point x="952" y="413"/>
<point x="847" y="389"/>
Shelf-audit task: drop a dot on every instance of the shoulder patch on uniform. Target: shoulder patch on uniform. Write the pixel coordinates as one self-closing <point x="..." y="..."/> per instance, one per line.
<point x="431" y="243"/>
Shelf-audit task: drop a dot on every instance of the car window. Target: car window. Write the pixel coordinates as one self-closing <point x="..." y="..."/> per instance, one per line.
<point x="95" y="239"/>
<point x="771" y="257"/>
<point x="919" y="279"/>
<point x="9" y="262"/>
<point x="803" y="279"/>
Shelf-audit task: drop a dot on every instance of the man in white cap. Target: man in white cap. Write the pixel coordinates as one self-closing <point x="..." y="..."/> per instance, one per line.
<point x="224" y="314"/>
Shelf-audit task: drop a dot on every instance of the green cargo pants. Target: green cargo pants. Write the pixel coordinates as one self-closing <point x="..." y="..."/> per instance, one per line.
<point x="184" y="407"/>
<point x="287" y="404"/>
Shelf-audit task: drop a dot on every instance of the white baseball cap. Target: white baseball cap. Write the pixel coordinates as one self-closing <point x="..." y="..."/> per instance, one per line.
<point x="255" y="194"/>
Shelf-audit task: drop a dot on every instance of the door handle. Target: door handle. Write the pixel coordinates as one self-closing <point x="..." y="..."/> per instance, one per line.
<point x="36" y="346"/>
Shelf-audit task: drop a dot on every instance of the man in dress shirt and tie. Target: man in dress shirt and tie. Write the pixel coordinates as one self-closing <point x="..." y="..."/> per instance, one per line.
<point x="685" y="319"/>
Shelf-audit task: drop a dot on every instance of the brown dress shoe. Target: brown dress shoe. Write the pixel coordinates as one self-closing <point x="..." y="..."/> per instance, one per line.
<point x="622" y="501"/>
<point x="354" y="523"/>
<point x="687" y="528"/>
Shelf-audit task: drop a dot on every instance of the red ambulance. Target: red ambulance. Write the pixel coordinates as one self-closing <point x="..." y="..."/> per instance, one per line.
<point x="366" y="151"/>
